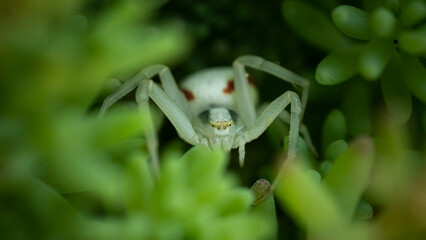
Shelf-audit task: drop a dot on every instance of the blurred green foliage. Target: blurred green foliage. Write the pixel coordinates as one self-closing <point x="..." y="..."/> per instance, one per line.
<point x="64" y="173"/>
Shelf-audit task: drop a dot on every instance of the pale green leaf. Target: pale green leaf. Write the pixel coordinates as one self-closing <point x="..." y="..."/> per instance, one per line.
<point x="350" y="175"/>
<point x="312" y="205"/>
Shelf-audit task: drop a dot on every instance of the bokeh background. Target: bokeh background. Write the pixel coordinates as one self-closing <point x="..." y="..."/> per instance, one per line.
<point x="65" y="173"/>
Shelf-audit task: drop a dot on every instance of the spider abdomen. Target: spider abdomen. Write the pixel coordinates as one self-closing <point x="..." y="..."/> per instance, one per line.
<point x="212" y="87"/>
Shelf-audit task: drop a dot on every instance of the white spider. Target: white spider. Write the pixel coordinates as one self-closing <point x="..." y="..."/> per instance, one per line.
<point x="216" y="107"/>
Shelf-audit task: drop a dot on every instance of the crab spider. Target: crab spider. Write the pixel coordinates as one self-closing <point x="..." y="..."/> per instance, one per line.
<point x="216" y="107"/>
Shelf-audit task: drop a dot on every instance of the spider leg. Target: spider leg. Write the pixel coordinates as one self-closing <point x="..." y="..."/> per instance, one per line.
<point x="167" y="81"/>
<point x="171" y="101"/>
<point x="303" y="130"/>
<point x="149" y="89"/>
<point x="286" y="117"/>
<point x="271" y="112"/>
<point x="271" y="68"/>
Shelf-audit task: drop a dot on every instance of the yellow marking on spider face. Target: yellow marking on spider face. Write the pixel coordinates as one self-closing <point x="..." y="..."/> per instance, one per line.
<point x="221" y="125"/>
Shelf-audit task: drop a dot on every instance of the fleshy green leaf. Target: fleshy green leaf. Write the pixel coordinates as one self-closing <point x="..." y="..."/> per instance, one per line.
<point x="140" y="182"/>
<point x="334" y="128"/>
<point x="335" y="149"/>
<point x="363" y="211"/>
<point x="415" y="75"/>
<point x="350" y="174"/>
<point x="352" y="21"/>
<point x="118" y="125"/>
<point x="413" y="13"/>
<point x="371" y="5"/>
<point x="338" y="66"/>
<point x="301" y="16"/>
<point x="383" y="23"/>
<point x="414" y="41"/>
<point x="375" y="57"/>
<point x="395" y="92"/>
<point x="310" y="203"/>
<point x="357" y="107"/>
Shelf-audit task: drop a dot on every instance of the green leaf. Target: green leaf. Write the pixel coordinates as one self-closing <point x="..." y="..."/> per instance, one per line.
<point x="310" y="203"/>
<point x="352" y="21"/>
<point x="338" y="66"/>
<point x="323" y="34"/>
<point x="140" y="182"/>
<point x="350" y="175"/>
<point x="116" y="126"/>
<point x="363" y="211"/>
<point x="414" y="12"/>
<point x="383" y="23"/>
<point x="415" y="75"/>
<point x="334" y="128"/>
<point x="414" y="41"/>
<point x="375" y="57"/>
<point x="371" y="5"/>
<point x="335" y="149"/>
<point x="357" y="106"/>
<point x="395" y="91"/>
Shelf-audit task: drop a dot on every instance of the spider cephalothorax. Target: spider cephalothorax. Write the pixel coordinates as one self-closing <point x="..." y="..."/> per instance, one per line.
<point x="216" y="107"/>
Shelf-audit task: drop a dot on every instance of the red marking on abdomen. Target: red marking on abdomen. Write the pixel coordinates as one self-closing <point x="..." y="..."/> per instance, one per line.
<point x="229" y="87"/>
<point x="188" y="94"/>
<point x="250" y="80"/>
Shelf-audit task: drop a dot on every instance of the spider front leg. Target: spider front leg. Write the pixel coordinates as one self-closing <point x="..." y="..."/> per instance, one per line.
<point x="148" y="89"/>
<point x="171" y="102"/>
<point x="167" y="81"/>
<point x="271" y="112"/>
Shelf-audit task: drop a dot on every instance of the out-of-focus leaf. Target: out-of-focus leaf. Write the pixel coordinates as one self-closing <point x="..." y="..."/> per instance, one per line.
<point x="303" y="152"/>
<point x="310" y="204"/>
<point x="383" y="23"/>
<point x="352" y="21"/>
<point x="30" y="206"/>
<point x="301" y="16"/>
<point x="371" y="5"/>
<point x="338" y="66"/>
<point x="394" y="167"/>
<point x="414" y="41"/>
<point x="350" y="175"/>
<point x="196" y="193"/>
<point x="414" y="12"/>
<point x="357" y="107"/>
<point x="334" y="128"/>
<point x="415" y="75"/>
<point x="118" y="125"/>
<point x="364" y="210"/>
<point x="335" y="149"/>
<point x="140" y="181"/>
<point x="375" y="57"/>
<point x="395" y="91"/>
